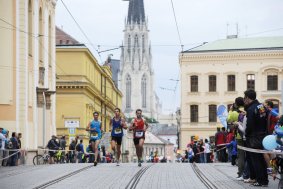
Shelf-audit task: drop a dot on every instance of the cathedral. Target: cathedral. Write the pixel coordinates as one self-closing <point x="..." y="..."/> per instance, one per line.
<point x="136" y="75"/>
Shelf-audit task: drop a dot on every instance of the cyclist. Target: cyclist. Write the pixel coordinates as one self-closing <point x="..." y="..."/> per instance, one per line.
<point x="52" y="145"/>
<point x="139" y="126"/>
<point x="117" y="124"/>
<point x="94" y="127"/>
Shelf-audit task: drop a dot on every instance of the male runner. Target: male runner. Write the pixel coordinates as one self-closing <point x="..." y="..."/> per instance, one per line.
<point x="139" y="126"/>
<point x="94" y="127"/>
<point x="117" y="124"/>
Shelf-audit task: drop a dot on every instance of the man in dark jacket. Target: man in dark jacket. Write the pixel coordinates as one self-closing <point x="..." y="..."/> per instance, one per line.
<point x="256" y="130"/>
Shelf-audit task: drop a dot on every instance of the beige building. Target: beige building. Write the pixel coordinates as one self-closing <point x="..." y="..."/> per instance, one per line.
<point x="27" y="69"/>
<point x="82" y="87"/>
<point x="216" y="73"/>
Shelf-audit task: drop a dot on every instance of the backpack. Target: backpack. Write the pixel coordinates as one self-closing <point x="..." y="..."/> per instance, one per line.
<point x="78" y="147"/>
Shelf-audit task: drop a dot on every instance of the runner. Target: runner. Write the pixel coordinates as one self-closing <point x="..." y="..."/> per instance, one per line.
<point x="139" y="126"/>
<point x="95" y="134"/>
<point x="117" y="123"/>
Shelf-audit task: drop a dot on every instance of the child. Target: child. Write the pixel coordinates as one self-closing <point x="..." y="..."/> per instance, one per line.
<point x="233" y="145"/>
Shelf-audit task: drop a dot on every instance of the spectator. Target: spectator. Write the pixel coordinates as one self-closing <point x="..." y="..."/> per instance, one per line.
<point x="72" y="148"/>
<point x="201" y="151"/>
<point x="80" y="151"/>
<point x="14" y="149"/>
<point x="190" y="154"/>
<point x="52" y="145"/>
<point x="20" y="146"/>
<point x="63" y="145"/>
<point x="233" y="146"/>
<point x="256" y="130"/>
<point x="207" y="152"/>
<point x="2" y="145"/>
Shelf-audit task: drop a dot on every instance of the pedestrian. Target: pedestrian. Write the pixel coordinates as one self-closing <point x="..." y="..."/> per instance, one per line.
<point x="63" y="144"/>
<point x="19" y="136"/>
<point x="139" y="127"/>
<point x="14" y="149"/>
<point x="117" y="124"/>
<point x="71" y="153"/>
<point x="80" y="151"/>
<point x="233" y="146"/>
<point x="95" y="129"/>
<point x="207" y="152"/>
<point x="256" y="130"/>
<point x="2" y="145"/>
<point x="201" y="151"/>
<point x="53" y="146"/>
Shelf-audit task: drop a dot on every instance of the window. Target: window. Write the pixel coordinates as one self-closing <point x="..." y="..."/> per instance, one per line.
<point x="128" y="91"/>
<point x="30" y="28"/>
<point x="212" y="83"/>
<point x="212" y="113"/>
<point x="231" y="82"/>
<point x="143" y="45"/>
<point x="194" y="83"/>
<point x="251" y="81"/>
<point x="272" y="82"/>
<point x="143" y="87"/>
<point x="194" y="113"/>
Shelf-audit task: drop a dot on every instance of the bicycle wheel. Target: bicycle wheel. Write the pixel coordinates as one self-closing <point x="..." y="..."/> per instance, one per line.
<point x="38" y="160"/>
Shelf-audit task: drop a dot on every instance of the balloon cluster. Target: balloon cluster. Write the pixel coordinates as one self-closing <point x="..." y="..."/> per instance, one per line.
<point x="271" y="142"/>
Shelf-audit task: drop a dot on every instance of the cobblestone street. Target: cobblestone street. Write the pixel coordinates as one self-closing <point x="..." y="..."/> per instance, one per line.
<point x="175" y="175"/>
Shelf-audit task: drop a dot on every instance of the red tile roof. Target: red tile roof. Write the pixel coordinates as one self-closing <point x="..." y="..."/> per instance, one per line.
<point x="62" y="38"/>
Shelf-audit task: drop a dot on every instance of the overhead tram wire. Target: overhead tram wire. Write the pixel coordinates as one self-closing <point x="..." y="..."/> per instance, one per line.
<point x="80" y="28"/>
<point x="178" y="31"/>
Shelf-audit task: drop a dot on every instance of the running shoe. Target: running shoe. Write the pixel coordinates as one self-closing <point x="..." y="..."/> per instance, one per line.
<point x="117" y="163"/>
<point x="249" y="180"/>
<point x="240" y="178"/>
<point x="139" y="164"/>
<point x="95" y="163"/>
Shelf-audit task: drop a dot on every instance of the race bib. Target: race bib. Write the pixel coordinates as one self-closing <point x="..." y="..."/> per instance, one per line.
<point x="139" y="134"/>
<point x="118" y="131"/>
<point x="94" y="134"/>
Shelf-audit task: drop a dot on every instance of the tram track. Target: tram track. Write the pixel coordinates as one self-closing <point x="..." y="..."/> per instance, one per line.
<point x="132" y="184"/>
<point x="202" y="177"/>
<point x="54" y="181"/>
<point x="136" y="178"/>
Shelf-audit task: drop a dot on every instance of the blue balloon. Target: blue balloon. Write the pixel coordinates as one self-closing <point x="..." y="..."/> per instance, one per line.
<point x="269" y="142"/>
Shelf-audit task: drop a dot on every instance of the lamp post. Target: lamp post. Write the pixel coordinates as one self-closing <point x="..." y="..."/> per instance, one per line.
<point x="178" y="118"/>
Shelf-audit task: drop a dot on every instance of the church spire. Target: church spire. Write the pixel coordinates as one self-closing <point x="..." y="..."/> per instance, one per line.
<point x="136" y="12"/>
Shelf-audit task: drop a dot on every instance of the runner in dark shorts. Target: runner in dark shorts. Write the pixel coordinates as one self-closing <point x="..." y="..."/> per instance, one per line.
<point x="117" y="124"/>
<point x="139" y="127"/>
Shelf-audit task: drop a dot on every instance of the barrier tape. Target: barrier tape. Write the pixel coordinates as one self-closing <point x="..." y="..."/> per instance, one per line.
<point x="46" y="149"/>
<point x="259" y="150"/>
<point x="17" y="151"/>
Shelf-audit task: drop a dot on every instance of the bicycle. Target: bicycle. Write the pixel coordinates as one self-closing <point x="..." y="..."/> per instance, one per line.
<point x="44" y="159"/>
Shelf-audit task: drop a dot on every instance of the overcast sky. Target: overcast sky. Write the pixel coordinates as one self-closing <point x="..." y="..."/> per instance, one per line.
<point x="198" y="20"/>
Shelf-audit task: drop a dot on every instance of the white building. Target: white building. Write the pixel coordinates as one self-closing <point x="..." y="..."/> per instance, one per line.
<point x="218" y="72"/>
<point x="136" y="77"/>
<point x="27" y="69"/>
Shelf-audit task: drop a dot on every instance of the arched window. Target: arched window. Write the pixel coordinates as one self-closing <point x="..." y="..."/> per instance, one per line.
<point x="143" y="90"/>
<point x="143" y="45"/>
<point x="128" y="91"/>
<point x="137" y="41"/>
<point x="30" y="37"/>
<point x="40" y="37"/>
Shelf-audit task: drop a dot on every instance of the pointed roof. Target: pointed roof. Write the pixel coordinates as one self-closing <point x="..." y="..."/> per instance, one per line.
<point x="62" y="38"/>
<point x="136" y="12"/>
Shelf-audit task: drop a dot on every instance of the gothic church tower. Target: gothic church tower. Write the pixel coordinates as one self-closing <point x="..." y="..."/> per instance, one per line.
<point x="136" y="77"/>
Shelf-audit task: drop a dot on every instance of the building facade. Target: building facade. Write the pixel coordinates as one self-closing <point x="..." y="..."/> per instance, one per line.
<point x="27" y="70"/>
<point x="136" y="76"/>
<point x="83" y="86"/>
<point x="218" y="72"/>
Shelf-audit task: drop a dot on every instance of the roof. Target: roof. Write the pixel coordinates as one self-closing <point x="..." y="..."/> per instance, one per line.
<point x="62" y="38"/>
<point x="165" y="141"/>
<point x="152" y="139"/>
<point x="164" y="129"/>
<point x="240" y="44"/>
<point x="136" y="12"/>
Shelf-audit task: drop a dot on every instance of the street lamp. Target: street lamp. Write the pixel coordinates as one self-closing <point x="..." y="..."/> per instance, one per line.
<point x="178" y="118"/>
